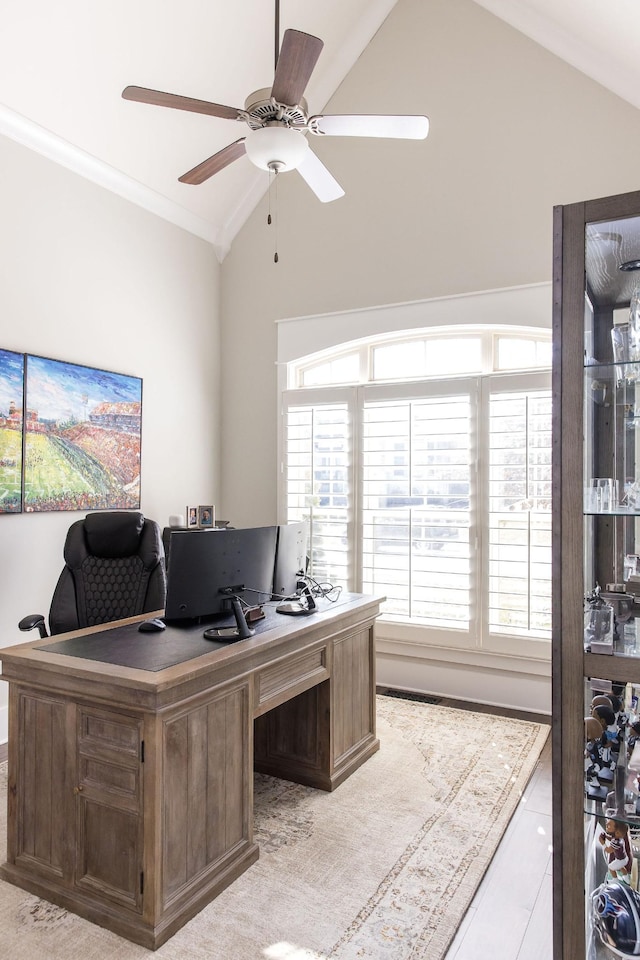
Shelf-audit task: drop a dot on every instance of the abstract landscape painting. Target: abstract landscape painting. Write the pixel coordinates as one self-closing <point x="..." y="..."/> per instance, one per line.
<point x="11" y="392"/>
<point x="82" y="437"/>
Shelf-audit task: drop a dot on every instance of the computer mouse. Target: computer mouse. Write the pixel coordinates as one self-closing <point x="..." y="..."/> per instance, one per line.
<point x="152" y="626"/>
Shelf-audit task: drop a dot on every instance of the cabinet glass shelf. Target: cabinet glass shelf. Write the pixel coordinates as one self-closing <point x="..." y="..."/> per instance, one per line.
<point x="625" y="648"/>
<point x="613" y="369"/>
<point x="599" y="809"/>
<point x="618" y="511"/>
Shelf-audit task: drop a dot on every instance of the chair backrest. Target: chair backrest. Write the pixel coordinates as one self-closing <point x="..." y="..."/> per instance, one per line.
<point x="114" y="569"/>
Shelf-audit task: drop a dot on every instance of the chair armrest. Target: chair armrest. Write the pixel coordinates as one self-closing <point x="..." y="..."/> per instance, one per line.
<point x="32" y="621"/>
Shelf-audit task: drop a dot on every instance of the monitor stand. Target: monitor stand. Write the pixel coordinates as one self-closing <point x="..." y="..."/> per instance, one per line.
<point x="241" y="631"/>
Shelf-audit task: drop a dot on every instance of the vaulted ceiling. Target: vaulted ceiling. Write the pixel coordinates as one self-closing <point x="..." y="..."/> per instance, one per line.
<point x="64" y="65"/>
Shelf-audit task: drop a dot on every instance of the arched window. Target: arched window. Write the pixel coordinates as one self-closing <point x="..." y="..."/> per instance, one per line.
<point x="423" y="465"/>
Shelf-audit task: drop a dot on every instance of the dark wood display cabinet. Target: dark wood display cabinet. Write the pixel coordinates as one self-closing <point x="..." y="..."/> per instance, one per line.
<point x="596" y="605"/>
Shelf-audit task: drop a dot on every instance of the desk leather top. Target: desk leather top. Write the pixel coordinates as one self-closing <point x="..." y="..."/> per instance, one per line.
<point x="125" y="646"/>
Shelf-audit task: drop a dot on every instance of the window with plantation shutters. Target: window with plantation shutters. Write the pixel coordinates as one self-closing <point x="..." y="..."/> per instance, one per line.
<point x="434" y="493"/>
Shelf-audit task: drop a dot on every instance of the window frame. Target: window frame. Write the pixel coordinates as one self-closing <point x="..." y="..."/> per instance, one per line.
<point x="365" y="348"/>
<point x="409" y="633"/>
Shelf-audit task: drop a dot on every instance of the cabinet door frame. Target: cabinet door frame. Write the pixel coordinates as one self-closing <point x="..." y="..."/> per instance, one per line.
<point x="40" y="801"/>
<point x="109" y="785"/>
<point x="570" y="663"/>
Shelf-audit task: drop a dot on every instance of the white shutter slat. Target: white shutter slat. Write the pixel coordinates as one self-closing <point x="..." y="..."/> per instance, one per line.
<point x="318" y="456"/>
<point x="519" y="600"/>
<point x="415" y="496"/>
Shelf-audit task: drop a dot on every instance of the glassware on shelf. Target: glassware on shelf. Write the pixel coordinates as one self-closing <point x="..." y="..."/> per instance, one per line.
<point x="634" y="322"/>
<point x="601" y="495"/>
<point x="598" y="624"/>
<point x="631" y="498"/>
<point x="631" y="567"/>
<point x="625" y="341"/>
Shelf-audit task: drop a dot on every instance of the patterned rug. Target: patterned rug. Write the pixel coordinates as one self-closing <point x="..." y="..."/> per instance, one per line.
<point x="383" y="868"/>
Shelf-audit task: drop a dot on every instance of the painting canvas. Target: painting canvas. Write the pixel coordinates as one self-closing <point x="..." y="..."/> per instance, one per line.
<point x="11" y="402"/>
<point x="82" y="437"/>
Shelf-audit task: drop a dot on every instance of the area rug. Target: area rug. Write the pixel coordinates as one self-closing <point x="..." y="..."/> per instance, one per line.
<point x="382" y="868"/>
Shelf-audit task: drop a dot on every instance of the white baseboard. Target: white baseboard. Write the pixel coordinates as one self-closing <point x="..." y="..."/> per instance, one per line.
<point x="493" y="686"/>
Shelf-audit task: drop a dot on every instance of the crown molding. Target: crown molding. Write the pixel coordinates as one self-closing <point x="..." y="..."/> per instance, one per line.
<point x="612" y="70"/>
<point x="18" y="128"/>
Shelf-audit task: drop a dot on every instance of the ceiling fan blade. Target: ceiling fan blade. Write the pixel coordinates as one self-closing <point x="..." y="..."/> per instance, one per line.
<point x="315" y="174"/>
<point x="214" y="164"/>
<point x="405" y="128"/>
<point x="298" y="56"/>
<point x="160" y="99"/>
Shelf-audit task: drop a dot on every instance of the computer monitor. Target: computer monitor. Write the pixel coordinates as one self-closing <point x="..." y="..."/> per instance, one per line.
<point x="209" y="567"/>
<point x="291" y="558"/>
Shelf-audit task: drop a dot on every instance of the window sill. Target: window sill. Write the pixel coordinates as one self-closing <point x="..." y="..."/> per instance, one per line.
<point x="414" y="640"/>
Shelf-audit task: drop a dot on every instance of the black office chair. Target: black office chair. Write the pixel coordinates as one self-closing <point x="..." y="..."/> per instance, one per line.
<point x="114" y="569"/>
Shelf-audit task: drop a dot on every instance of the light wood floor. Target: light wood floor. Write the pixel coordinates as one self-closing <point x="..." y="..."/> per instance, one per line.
<point x="510" y="916"/>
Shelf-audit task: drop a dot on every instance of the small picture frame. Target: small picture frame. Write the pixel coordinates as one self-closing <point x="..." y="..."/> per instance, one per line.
<point x="192" y="518"/>
<point x="206" y="515"/>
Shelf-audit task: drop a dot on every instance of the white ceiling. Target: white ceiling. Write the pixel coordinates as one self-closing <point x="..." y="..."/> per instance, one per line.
<point x="63" y="66"/>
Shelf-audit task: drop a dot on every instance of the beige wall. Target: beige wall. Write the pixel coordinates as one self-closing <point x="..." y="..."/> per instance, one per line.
<point x="514" y="130"/>
<point x="90" y="278"/>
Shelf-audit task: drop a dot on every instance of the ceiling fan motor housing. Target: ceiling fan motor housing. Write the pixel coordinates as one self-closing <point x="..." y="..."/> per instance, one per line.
<point x="260" y="108"/>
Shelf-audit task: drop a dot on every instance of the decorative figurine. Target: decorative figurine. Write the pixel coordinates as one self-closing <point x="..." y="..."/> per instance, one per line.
<point x="604" y="714"/>
<point x="601" y="700"/>
<point x="593" y="764"/>
<point x="592" y="729"/>
<point x="617" y="850"/>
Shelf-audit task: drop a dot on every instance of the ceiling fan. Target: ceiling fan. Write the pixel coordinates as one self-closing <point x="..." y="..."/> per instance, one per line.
<point x="278" y="120"/>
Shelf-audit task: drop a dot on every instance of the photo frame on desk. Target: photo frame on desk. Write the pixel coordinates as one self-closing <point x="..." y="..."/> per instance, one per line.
<point x="206" y="516"/>
<point x="192" y="518"/>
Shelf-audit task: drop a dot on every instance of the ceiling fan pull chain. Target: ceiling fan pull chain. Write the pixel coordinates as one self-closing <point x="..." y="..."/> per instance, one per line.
<point x="273" y="183"/>
<point x="275" y="207"/>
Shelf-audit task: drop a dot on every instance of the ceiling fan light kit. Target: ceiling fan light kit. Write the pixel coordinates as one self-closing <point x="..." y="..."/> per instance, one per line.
<point x="276" y="147"/>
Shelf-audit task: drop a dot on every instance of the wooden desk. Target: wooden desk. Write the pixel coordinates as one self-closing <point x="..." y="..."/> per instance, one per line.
<point x="130" y="795"/>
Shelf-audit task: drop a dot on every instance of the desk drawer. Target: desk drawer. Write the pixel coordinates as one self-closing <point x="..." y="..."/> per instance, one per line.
<point x="108" y="732"/>
<point x="290" y="676"/>
<point x="109" y="755"/>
